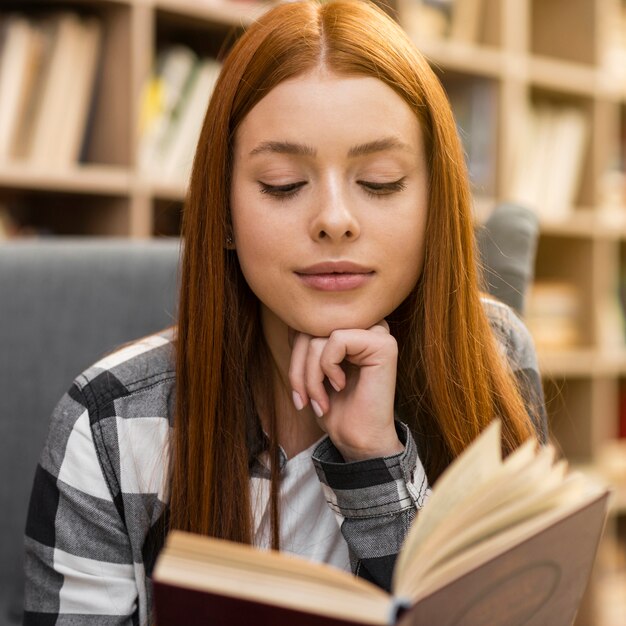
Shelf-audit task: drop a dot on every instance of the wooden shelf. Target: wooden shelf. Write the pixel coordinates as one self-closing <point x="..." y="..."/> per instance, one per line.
<point x="563" y="76"/>
<point x="575" y="363"/>
<point x="581" y="223"/>
<point x="588" y="223"/>
<point x="166" y="191"/>
<point x="446" y="54"/>
<point x="91" y="179"/>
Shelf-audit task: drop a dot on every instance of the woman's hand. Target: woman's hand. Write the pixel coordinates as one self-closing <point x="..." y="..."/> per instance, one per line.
<point x="350" y="379"/>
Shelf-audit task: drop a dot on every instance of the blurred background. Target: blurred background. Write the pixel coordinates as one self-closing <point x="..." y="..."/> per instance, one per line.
<point x="101" y="103"/>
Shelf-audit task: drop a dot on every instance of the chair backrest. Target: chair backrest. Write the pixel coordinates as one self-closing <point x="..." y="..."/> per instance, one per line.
<point x="63" y="304"/>
<point x="508" y="244"/>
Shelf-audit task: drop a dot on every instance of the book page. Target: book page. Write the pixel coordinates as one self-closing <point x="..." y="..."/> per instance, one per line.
<point x="522" y="474"/>
<point x="475" y="466"/>
<point x="240" y="571"/>
<point x="217" y="552"/>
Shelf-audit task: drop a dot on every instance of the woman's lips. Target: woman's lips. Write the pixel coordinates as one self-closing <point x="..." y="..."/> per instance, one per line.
<point x="335" y="282"/>
<point x="335" y="275"/>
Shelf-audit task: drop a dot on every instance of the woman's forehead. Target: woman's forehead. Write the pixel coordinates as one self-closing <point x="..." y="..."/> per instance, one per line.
<point x="320" y="105"/>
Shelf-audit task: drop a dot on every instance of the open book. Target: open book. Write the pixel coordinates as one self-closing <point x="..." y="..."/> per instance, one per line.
<point x="498" y="542"/>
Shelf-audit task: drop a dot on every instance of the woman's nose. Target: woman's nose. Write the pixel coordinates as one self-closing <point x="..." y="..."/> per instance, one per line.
<point x="335" y="220"/>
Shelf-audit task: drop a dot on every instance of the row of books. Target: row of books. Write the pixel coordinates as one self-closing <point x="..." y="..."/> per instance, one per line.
<point x="553" y="314"/>
<point x="48" y="69"/>
<point x="555" y="317"/>
<point x="175" y="99"/>
<point x="433" y="19"/>
<point x="475" y="106"/>
<point x="551" y="145"/>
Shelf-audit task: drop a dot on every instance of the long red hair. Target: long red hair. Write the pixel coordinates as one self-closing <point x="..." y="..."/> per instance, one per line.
<point x="451" y="378"/>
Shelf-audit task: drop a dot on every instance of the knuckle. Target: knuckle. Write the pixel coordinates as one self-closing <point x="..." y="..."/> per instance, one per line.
<point x="392" y="345"/>
<point x="338" y="335"/>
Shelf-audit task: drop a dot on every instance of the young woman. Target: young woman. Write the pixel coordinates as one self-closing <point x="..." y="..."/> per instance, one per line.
<point x="332" y="354"/>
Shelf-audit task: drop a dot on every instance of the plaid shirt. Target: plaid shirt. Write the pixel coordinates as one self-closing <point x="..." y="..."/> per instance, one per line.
<point x="99" y="500"/>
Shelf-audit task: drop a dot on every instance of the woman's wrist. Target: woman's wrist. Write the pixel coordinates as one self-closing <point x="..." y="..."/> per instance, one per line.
<point x="379" y="449"/>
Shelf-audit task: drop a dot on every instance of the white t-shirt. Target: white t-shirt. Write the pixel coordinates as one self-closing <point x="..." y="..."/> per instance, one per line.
<point x="308" y="527"/>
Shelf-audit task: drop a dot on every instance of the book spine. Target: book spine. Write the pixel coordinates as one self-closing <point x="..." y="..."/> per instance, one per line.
<point x="399" y="606"/>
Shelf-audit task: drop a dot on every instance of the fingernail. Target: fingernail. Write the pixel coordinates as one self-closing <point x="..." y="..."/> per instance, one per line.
<point x="336" y="387"/>
<point x="317" y="408"/>
<point x="297" y="400"/>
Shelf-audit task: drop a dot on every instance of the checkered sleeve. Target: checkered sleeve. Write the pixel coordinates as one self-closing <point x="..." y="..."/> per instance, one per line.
<point x="79" y="567"/>
<point x="375" y="502"/>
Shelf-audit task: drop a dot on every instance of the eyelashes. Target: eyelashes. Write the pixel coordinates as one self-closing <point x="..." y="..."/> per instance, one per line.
<point x="281" y="192"/>
<point x="383" y="189"/>
<point x="372" y="189"/>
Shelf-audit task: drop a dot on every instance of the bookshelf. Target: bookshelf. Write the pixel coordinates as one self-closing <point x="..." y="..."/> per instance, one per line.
<point x="525" y="53"/>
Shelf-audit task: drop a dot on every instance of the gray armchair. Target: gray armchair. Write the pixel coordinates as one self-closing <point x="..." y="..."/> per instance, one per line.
<point x="64" y="303"/>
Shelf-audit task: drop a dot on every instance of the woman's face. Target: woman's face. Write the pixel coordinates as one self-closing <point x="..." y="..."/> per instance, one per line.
<point x="329" y="200"/>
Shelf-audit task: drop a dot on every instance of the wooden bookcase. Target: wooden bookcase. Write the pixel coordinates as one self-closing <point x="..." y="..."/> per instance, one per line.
<point x="528" y="50"/>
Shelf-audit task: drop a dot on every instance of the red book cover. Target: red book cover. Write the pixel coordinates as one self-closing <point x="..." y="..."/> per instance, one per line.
<point x="176" y="605"/>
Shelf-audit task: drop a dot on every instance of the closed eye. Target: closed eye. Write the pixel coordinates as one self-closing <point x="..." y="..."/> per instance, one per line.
<point x="382" y="189"/>
<point x="281" y="192"/>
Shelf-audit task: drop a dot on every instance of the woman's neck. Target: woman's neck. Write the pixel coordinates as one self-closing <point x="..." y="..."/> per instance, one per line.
<point x="297" y="430"/>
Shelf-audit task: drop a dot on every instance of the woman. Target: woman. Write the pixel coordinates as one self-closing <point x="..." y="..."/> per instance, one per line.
<point x="332" y="354"/>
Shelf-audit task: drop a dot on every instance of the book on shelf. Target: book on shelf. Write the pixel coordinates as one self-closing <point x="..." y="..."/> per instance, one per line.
<point x="499" y="541"/>
<point x="174" y="104"/>
<point x="184" y="131"/>
<point x="553" y="314"/>
<point x="613" y="41"/>
<point x="551" y="147"/>
<point x="621" y="427"/>
<point x="436" y="19"/>
<point x="425" y="19"/>
<point x="466" y="20"/>
<point x="475" y="106"/>
<point x="48" y="68"/>
<point x="19" y="52"/>
<point x="161" y="94"/>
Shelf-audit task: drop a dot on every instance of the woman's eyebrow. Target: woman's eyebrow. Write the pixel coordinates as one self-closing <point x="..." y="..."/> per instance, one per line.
<point x="379" y="145"/>
<point x="283" y="147"/>
<point x="300" y="149"/>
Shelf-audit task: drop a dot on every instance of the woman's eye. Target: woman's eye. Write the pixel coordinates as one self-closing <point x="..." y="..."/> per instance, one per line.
<point x="383" y="189"/>
<point x="281" y="191"/>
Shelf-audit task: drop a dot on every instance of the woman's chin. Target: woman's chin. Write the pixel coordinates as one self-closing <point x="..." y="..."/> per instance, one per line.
<point x="323" y="328"/>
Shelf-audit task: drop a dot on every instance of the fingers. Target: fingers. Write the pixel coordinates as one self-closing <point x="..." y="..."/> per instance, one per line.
<point x="314" y="377"/>
<point x="308" y="370"/>
<point x="297" y="367"/>
<point x="315" y="359"/>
